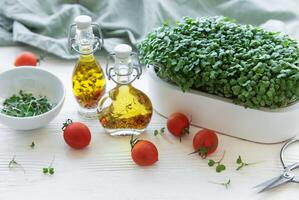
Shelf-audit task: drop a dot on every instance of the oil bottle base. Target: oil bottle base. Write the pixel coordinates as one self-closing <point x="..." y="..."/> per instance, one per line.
<point x="88" y="113"/>
<point x="124" y="132"/>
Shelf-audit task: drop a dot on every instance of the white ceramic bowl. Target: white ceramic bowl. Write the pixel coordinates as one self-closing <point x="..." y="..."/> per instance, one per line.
<point x="222" y="115"/>
<point x="38" y="82"/>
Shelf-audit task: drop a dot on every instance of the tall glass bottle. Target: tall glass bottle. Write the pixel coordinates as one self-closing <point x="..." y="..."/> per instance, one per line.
<point x="125" y="110"/>
<point x="88" y="80"/>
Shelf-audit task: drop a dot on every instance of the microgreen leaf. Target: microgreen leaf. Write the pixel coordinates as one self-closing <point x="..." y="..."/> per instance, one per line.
<point x="51" y="170"/>
<point x="239" y="160"/>
<point x="45" y="170"/>
<point x="32" y="145"/>
<point x="220" y="168"/>
<point x="12" y="163"/>
<point x="211" y="163"/>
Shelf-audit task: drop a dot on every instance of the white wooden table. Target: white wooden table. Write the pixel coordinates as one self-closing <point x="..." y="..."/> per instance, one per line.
<point x="105" y="170"/>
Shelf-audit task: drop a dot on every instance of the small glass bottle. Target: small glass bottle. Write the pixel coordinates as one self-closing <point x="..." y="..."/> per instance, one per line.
<point x="88" y="80"/>
<point x="125" y="110"/>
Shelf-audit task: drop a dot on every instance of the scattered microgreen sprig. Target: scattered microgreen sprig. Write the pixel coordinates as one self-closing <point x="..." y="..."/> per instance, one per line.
<point x="242" y="164"/>
<point x="14" y="164"/>
<point x="32" y="145"/>
<point x="50" y="169"/>
<point x="225" y="184"/>
<point x="159" y="132"/>
<point x="219" y="166"/>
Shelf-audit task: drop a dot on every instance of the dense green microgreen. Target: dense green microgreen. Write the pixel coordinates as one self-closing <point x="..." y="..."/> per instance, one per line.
<point x="219" y="166"/>
<point x="253" y="67"/>
<point x="25" y="105"/>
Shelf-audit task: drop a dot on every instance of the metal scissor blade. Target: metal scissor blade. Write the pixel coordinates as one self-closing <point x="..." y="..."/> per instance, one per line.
<point x="279" y="182"/>
<point x="268" y="182"/>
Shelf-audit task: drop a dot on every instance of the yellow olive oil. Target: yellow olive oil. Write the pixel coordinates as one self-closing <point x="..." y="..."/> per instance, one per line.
<point x="88" y="82"/>
<point x="130" y="111"/>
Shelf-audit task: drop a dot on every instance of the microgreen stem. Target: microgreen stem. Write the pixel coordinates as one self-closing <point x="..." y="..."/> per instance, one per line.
<point x="222" y="157"/>
<point x="242" y="164"/>
<point x="13" y="163"/>
<point x="51" y="164"/>
<point x="225" y="184"/>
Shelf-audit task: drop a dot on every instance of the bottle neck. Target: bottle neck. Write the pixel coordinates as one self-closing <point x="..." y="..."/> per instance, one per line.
<point x="84" y="40"/>
<point x="123" y="70"/>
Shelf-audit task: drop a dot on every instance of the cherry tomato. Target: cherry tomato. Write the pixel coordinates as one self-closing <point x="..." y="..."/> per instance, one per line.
<point x="76" y="134"/>
<point x="178" y="124"/>
<point x="144" y="153"/>
<point x="205" y="142"/>
<point x="26" y="59"/>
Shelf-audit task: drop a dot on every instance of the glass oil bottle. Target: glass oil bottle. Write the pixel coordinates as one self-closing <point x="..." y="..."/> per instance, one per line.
<point x="88" y="79"/>
<point x="125" y="110"/>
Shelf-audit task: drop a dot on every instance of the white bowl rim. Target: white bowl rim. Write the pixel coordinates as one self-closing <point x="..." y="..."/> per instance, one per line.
<point x="43" y="114"/>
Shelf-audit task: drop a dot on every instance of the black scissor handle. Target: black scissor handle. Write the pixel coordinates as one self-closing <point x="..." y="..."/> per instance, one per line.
<point x="292" y="166"/>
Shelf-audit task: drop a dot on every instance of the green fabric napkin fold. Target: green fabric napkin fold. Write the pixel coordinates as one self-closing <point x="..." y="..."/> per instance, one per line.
<point x="44" y="23"/>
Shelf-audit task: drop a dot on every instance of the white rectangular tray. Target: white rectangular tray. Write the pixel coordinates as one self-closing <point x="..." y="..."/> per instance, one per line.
<point x="222" y="115"/>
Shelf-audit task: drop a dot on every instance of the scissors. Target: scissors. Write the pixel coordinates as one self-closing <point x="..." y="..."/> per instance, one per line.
<point x="286" y="177"/>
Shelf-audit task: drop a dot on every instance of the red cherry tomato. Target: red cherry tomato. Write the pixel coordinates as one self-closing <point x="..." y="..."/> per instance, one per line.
<point x="76" y="134"/>
<point x="178" y="124"/>
<point x="205" y="142"/>
<point x="26" y="59"/>
<point x="144" y="153"/>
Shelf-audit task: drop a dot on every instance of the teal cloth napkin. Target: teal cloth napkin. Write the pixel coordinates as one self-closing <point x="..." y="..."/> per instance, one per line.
<point x="44" y="23"/>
